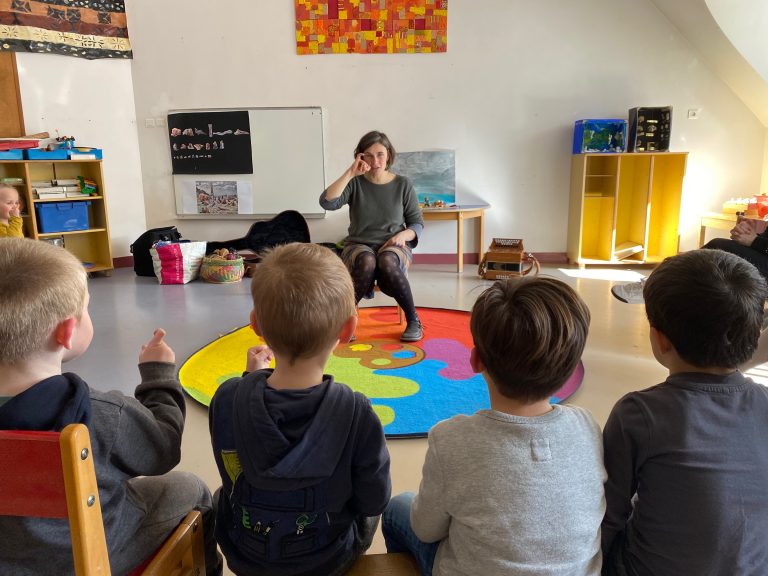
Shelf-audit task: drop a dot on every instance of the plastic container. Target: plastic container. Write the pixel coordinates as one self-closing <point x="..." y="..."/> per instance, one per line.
<point x="40" y="154"/>
<point x="608" y="135"/>
<point x="11" y="154"/>
<point x="81" y="153"/>
<point x="62" y="216"/>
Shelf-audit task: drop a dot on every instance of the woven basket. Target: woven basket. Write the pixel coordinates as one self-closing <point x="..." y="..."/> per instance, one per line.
<point x="222" y="271"/>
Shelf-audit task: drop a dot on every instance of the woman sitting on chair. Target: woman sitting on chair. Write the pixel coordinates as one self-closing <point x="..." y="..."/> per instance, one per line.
<point x="749" y="239"/>
<point x="385" y="223"/>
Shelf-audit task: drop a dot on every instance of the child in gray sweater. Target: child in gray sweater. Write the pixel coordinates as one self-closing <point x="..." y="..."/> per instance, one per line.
<point x="517" y="489"/>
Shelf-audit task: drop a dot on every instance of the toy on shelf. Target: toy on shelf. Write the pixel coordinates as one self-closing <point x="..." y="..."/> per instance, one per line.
<point x="604" y="135"/>
<point x="87" y="186"/>
<point x="752" y="207"/>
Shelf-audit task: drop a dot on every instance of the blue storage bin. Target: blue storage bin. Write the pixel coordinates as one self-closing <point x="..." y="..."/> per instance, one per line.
<point x="85" y="153"/>
<point x="600" y="135"/>
<point x="14" y="154"/>
<point x="62" y="216"/>
<point x="40" y="154"/>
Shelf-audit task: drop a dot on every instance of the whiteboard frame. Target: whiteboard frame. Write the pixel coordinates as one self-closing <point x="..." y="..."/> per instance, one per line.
<point x="261" y="180"/>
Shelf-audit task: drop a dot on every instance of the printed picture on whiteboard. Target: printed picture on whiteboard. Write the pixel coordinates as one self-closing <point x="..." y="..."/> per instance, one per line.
<point x="216" y="197"/>
<point x="210" y="142"/>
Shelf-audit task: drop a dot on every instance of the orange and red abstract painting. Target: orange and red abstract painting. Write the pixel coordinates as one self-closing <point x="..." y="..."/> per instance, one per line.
<point x="371" y="26"/>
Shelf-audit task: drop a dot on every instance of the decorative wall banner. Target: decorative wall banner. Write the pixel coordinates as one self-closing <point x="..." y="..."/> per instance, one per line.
<point x="84" y="28"/>
<point x="371" y="26"/>
<point x="210" y="142"/>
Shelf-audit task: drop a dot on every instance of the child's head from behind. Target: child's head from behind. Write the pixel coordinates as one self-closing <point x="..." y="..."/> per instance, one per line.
<point x="529" y="333"/>
<point x="302" y="296"/>
<point x="9" y="201"/>
<point x="709" y="304"/>
<point x="41" y="285"/>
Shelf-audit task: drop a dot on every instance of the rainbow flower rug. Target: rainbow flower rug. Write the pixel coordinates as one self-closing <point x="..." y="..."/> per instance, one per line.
<point x="412" y="386"/>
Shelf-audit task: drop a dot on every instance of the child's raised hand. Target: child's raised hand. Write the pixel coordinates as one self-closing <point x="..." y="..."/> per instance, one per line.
<point x="359" y="166"/>
<point x="15" y="211"/>
<point x="258" y="358"/>
<point x="156" y="350"/>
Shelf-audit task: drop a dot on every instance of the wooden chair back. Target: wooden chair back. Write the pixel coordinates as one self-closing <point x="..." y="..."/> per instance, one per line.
<point x="52" y="475"/>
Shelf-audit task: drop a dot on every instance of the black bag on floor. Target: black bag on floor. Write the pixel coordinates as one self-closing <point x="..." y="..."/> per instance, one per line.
<point x="142" y="259"/>
<point x="286" y="227"/>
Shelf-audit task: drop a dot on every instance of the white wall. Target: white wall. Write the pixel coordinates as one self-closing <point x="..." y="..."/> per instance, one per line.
<point x="516" y="76"/>
<point x="93" y="101"/>
<point x="745" y="23"/>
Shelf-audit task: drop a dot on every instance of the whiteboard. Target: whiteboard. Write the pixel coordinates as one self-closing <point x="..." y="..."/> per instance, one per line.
<point x="288" y="166"/>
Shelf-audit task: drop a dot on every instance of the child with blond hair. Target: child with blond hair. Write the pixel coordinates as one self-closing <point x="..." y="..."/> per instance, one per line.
<point x="302" y="458"/>
<point x="11" y="223"/>
<point x="44" y="322"/>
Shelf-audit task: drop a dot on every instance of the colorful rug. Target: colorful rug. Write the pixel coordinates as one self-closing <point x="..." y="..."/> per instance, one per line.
<point x="412" y="386"/>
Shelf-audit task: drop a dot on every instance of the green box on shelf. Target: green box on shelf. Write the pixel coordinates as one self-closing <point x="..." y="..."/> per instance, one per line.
<point x="608" y="135"/>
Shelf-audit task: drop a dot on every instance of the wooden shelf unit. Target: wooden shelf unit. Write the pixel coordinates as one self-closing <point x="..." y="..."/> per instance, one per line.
<point x="624" y="203"/>
<point x="91" y="246"/>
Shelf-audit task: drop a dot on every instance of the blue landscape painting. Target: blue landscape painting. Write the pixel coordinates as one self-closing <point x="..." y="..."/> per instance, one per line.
<point x="432" y="173"/>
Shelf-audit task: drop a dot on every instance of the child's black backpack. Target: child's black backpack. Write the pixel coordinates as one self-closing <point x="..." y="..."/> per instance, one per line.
<point x="142" y="259"/>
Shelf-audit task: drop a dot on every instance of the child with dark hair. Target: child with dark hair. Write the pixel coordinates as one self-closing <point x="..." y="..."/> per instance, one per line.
<point x="687" y="459"/>
<point x="517" y="489"/>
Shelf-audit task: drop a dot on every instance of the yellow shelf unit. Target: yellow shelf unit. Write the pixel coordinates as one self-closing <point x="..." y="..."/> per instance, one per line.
<point x="625" y="207"/>
<point x="91" y="246"/>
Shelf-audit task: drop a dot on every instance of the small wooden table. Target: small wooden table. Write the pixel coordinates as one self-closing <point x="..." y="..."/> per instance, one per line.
<point x="718" y="220"/>
<point x="461" y="213"/>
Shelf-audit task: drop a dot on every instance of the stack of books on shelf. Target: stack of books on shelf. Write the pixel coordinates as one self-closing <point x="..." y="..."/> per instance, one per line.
<point x="61" y="188"/>
<point x="10" y="181"/>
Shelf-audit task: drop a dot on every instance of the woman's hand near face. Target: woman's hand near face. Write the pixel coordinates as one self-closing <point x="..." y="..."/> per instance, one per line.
<point x="359" y="166"/>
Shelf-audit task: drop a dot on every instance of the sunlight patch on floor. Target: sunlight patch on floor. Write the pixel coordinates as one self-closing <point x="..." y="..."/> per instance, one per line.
<point x="603" y="274"/>
<point x="759" y="374"/>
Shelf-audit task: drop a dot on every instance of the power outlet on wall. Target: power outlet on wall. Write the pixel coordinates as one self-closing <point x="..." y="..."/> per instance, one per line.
<point x="694" y="113"/>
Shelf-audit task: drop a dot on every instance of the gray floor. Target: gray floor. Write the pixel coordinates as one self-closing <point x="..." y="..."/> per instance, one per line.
<point x="125" y="309"/>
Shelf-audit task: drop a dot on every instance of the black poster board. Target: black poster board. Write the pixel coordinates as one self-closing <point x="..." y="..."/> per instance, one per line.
<point x="210" y="142"/>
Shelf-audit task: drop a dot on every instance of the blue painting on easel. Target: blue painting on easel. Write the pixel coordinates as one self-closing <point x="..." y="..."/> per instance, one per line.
<point x="432" y="173"/>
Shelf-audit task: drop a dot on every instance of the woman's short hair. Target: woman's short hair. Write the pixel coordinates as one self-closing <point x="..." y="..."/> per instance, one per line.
<point x="376" y="137"/>
<point x="530" y="334"/>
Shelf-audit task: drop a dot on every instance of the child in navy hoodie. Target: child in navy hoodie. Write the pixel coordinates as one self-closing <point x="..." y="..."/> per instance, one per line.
<point x="302" y="458"/>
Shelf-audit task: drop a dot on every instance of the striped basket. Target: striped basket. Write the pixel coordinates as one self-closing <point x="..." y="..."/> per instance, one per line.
<point x="220" y="271"/>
